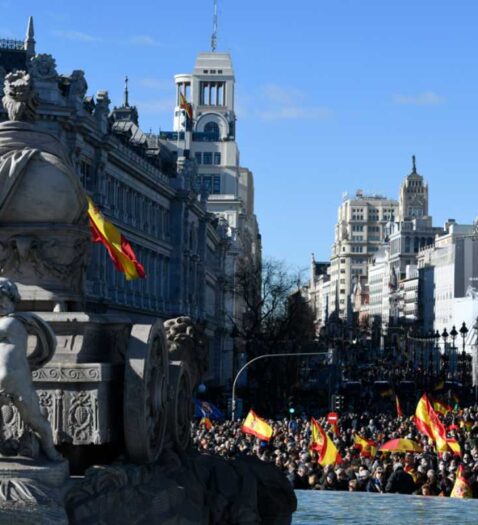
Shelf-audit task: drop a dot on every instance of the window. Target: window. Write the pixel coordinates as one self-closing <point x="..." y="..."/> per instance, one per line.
<point x="198" y="157"/>
<point x="356" y="249"/>
<point x="212" y="183"/>
<point x="86" y="175"/>
<point x="212" y="129"/>
<point x="212" y="93"/>
<point x="207" y="158"/>
<point x="357" y="228"/>
<point x="217" y="158"/>
<point x="357" y="238"/>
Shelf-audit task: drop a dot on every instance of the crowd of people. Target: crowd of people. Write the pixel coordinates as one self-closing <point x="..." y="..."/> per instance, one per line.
<point x="425" y="473"/>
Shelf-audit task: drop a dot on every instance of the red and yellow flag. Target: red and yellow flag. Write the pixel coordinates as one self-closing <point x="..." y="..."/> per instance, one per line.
<point x="206" y="422"/>
<point x="367" y="447"/>
<point x="462" y="487"/>
<point x="454" y="446"/>
<point x="428" y="423"/>
<point x="119" y="249"/>
<point x="321" y="443"/>
<point x="256" y="426"/>
<point x="399" y="408"/>
<point x="184" y="104"/>
<point x="440" y="408"/>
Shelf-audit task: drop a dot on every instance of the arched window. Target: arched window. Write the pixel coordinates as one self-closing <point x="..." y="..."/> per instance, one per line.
<point x="212" y="129"/>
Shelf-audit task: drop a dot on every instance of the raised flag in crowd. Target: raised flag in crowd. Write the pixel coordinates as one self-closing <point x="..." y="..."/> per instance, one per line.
<point x="462" y="487"/>
<point x="323" y="444"/>
<point x="367" y="447"/>
<point x="256" y="426"/>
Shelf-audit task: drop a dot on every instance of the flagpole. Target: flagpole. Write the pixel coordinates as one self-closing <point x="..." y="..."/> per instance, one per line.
<point x="299" y="354"/>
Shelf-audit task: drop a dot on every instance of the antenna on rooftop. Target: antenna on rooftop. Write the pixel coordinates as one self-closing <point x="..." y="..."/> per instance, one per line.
<point x="126" y="93"/>
<point x="214" y="29"/>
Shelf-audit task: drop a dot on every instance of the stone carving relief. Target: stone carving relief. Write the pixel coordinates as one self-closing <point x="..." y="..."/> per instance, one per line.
<point x="63" y="259"/>
<point x="82" y="421"/>
<point x="43" y="67"/>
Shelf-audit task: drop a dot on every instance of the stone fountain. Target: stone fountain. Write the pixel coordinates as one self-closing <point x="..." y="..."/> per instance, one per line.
<point x="108" y="401"/>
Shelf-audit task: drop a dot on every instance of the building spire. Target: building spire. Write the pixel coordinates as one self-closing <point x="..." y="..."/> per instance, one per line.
<point x="29" y="43"/>
<point x="414" y="164"/>
<point x="126" y="92"/>
<point x="214" y="29"/>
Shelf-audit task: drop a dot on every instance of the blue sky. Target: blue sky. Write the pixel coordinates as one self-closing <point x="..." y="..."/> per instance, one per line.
<point x="332" y="95"/>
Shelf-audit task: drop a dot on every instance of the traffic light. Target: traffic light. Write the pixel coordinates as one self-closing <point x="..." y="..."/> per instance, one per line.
<point x="338" y="402"/>
<point x="291" y="405"/>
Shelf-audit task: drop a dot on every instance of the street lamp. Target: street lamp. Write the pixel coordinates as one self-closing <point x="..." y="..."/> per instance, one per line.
<point x="453" y="335"/>
<point x="464" y="333"/>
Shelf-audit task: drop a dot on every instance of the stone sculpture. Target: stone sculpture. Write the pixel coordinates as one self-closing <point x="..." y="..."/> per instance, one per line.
<point x="44" y="239"/>
<point x="15" y="375"/>
<point x="113" y="391"/>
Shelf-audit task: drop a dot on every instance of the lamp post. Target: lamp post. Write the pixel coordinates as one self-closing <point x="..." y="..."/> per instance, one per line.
<point x="437" y="351"/>
<point x="453" y="335"/>
<point x="292" y="354"/>
<point x="464" y="333"/>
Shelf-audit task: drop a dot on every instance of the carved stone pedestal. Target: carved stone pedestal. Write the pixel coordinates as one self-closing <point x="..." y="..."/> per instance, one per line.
<point x="31" y="491"/>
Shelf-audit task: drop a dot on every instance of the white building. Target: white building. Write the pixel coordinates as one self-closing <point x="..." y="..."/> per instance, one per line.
<point x="454" y="260"/>
<point x="205" y="129"/>
<point x="359" y="233"/>
<point x="413" y="230"/>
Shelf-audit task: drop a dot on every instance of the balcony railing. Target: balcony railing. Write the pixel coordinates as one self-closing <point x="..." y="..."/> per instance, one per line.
<point x="9" y="43"/>
<point x="201" y="136"/>
<point x="171" y="135"/>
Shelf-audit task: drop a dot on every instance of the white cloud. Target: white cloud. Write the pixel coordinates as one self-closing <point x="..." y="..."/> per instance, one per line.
<point x="295" y="112"/>
<point x="155" y="106"/>
<point x="144" y="40"/>
<point x="428" y="98"/>
<point x="156" y="83"/>
<point x="283" y="95"/>
<point x="77" y="35"/>
<point x="288" y="103"/>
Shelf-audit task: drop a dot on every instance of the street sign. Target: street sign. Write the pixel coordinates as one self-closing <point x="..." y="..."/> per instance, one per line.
<point x="332" y="418"/>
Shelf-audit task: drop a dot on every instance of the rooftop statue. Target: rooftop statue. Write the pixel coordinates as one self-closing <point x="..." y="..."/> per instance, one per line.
<point x="38" y="182"/>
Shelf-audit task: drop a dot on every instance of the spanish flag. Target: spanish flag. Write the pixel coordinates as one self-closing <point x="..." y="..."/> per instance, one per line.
<point x="428" y="423"/>
<point x="119" y="249"/>
<point x="399" y="408"/>
<point x="321" y="443"/>
<point x="184" y="104"/>
<point x="441" y="408"/>
<point x="256" y="426"/>
<point x="462" y="487"/>
<point x="206" y="422"/>
<point x="454" y="446"/>
<point x="368" y="448"/>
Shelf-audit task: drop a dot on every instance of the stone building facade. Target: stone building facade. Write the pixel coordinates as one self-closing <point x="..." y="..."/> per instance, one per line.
<point x="148" y="190"/>
<point x="360" y="231"/>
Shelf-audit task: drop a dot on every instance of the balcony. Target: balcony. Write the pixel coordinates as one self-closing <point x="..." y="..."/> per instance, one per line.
<point x="200" y="136"/>
<point x="171" y="135"/>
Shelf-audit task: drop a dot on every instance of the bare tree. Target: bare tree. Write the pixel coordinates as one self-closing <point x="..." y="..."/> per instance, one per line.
<point x="275" y="319"/>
